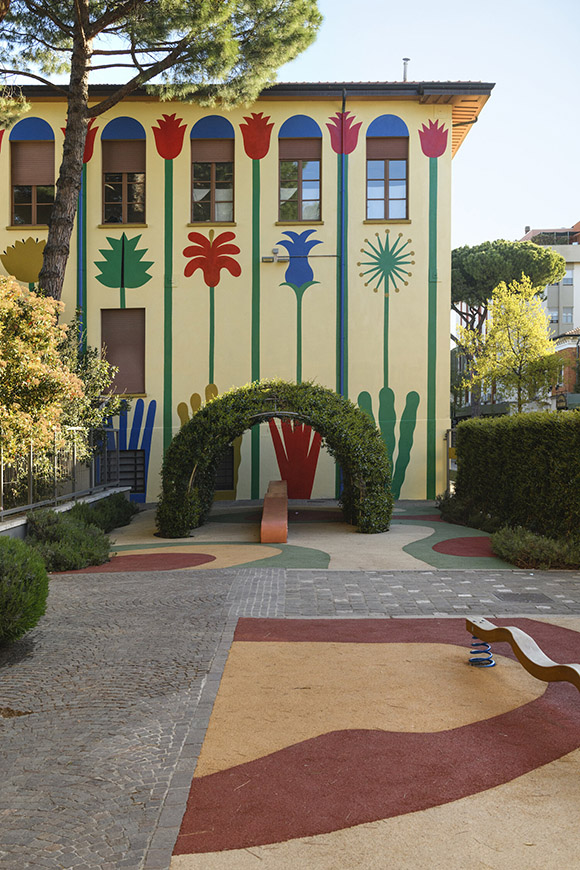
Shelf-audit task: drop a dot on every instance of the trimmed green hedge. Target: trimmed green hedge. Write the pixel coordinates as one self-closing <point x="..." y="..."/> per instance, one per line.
<point x="522" y="470"/>
<point x="107" y="513"/>
<point x="349" y="435"/>
<point x="23" y="589"/>
<point x="65" y="543"/>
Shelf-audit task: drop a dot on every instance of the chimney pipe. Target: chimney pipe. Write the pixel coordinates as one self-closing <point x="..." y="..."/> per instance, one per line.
<point x="527" y="229"/>
<point x="405" y="62"/>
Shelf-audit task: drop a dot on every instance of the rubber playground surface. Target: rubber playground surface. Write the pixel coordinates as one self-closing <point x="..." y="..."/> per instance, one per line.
<point x="373" y="743"/>
<point x="318" y="538"/>
<point x="370" y="742"/>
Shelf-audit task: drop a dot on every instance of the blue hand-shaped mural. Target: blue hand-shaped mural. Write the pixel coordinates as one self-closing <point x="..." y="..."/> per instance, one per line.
<point x="139" y="430"/>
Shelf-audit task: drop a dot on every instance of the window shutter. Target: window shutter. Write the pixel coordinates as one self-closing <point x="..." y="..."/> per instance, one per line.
<point x="32" y="162"/>
<point x="123" y="340"/>
<point x="123" y="155"/>
<point x="300" y="149"/>
<point x="387" y="148"/>
<point x="212" y="150"/>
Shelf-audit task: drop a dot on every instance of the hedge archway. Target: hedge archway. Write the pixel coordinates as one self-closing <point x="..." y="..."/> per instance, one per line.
<point x="348" y="433"/>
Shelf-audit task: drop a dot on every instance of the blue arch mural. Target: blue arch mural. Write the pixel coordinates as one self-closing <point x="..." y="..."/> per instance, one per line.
<point x="212" y="127"/>
<point x="32" y="129"/>
<point x="388" y="125"/>
<point x="123" y="128"/>
<point x="300" y="127"/>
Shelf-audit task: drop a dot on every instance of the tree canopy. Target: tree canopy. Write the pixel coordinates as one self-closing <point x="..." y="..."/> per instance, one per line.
<point x="515" y="353"/>
<point x="207" y="50"/>
<point x="476" y="271"/>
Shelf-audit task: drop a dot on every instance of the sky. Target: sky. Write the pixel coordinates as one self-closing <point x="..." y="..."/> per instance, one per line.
<point x="519" y="165"/>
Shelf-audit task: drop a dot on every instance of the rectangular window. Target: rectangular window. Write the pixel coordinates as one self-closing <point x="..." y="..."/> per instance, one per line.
<point x="300" y="177"/>
<point x="568" y="277"/>
<point x="387" y="170"/>
<point x="567" y="315"/>
<point x="123" y="343"/>
<point x="212" y="180"/>
<point x="32" y="182"/>
<point x="553" y="315"/>
<point x="123" y="181"/>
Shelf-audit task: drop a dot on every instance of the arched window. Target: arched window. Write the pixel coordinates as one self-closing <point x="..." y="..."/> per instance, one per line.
<point x="123" y="144"/>
<point x="387" y="169"/>
<point x="300" y="150"/>
<point x="32" y="169"/>
<point x="212" y="170"/>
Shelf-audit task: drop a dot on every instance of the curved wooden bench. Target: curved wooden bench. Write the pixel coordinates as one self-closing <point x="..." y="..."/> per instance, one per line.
<point x="274" y="526"/>
<point x="526" y="650"/>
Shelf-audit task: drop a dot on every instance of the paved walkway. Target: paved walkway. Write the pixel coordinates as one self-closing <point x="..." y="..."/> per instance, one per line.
<point x="117" y="683"/>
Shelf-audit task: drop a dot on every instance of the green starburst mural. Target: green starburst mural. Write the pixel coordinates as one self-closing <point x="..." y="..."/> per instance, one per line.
<point x="387" y="262"/>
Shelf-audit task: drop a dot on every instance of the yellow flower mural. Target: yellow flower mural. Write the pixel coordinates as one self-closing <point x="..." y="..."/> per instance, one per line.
<point x="23" y="259"/>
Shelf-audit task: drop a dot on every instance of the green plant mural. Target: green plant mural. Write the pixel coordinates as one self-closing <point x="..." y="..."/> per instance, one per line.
<point x="387" y="266"/>
<point x="387" y="261"/>
<point x="387" y="423"/>
<point x="123" y="266"/>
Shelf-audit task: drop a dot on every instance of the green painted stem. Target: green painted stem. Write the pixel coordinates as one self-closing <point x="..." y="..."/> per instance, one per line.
<point x="386" y="341"/>
<point x="299" y="298"/>
<point x="211" y="334"/>
<point x="168" y="309"/>
<point x="255" y="436"/>
<point x="82" y="260"/>
<point x="432" y="334"/>
<point x="123" y="298"/>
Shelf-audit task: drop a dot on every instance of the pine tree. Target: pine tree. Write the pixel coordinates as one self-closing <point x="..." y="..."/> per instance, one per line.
<point x="202" y="49"/>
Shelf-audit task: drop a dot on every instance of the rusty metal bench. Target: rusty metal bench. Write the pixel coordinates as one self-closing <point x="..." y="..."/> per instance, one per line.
<point x="274" y="527"/>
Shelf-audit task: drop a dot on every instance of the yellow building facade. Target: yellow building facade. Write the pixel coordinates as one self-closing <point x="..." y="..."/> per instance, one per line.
<point x="305" y="238"/>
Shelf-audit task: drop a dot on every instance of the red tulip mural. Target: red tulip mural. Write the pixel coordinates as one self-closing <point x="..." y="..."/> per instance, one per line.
<point x="168" y="135"/>
<point x="343" y="139"/>
<point x="433" y="138"/>
<point x="297" y="455"/>
<point x="343" y="132"/>
<point x="256" y="132"/>
<point x="212" y="255"/>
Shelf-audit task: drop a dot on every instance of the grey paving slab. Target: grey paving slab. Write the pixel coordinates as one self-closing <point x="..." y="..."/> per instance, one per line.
<point x="119" y="678"/>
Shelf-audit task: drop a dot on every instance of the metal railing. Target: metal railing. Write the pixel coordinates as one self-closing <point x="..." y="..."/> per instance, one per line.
<point x="44" y="478"/>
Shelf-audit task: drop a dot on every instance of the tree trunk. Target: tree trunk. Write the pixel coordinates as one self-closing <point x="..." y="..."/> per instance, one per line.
<point x="57" y="248"/>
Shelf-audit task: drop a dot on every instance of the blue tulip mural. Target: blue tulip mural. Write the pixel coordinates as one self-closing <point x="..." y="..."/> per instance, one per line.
<point x="299" y="276"/>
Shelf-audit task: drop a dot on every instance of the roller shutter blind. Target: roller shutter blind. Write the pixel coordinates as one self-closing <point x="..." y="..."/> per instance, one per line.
<point x="123" y="340"/>
<point x="32" y="163"/>
<point x="300" y="149"/>
<point x="123" y="155"/>
<point x="212" y="150"/>
<point x="387" y="148"/>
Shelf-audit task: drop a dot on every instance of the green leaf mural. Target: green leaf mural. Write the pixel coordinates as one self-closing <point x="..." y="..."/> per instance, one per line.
<point x="123" y="266"/>
<point x="387" y="424"/>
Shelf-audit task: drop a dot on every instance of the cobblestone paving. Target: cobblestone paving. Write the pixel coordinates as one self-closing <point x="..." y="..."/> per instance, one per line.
<point x="119" y="678"/>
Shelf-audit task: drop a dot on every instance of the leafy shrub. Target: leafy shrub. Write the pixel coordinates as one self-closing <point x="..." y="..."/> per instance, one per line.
<point x="65" y="543"/>
<point x="527" y="550"/>
<point x="23" y="589"/>
<point x="107" y="513"/>
<point x="522" y="471"/>
<point x="349" y="435"/>
<point x="464" y="513"/>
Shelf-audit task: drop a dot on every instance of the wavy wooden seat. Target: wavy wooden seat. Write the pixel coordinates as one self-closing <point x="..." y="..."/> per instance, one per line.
<point x="526" y="650"/>
<point x="274" y="526"/>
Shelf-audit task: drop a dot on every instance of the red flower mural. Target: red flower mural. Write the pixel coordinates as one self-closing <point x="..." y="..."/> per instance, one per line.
<point x="89" y="141"/>
<point x="297" y="456"/>
<point x="433" y="139"/>
<point x="169" y="136"/>
<point x="1" y="137"/>
<point x="211" y="256"/>
<point x="256" y="132"/>
<point x="343" y="133"/>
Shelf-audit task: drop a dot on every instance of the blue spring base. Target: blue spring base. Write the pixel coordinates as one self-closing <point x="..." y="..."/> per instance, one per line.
<point x="480" y="655"/>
